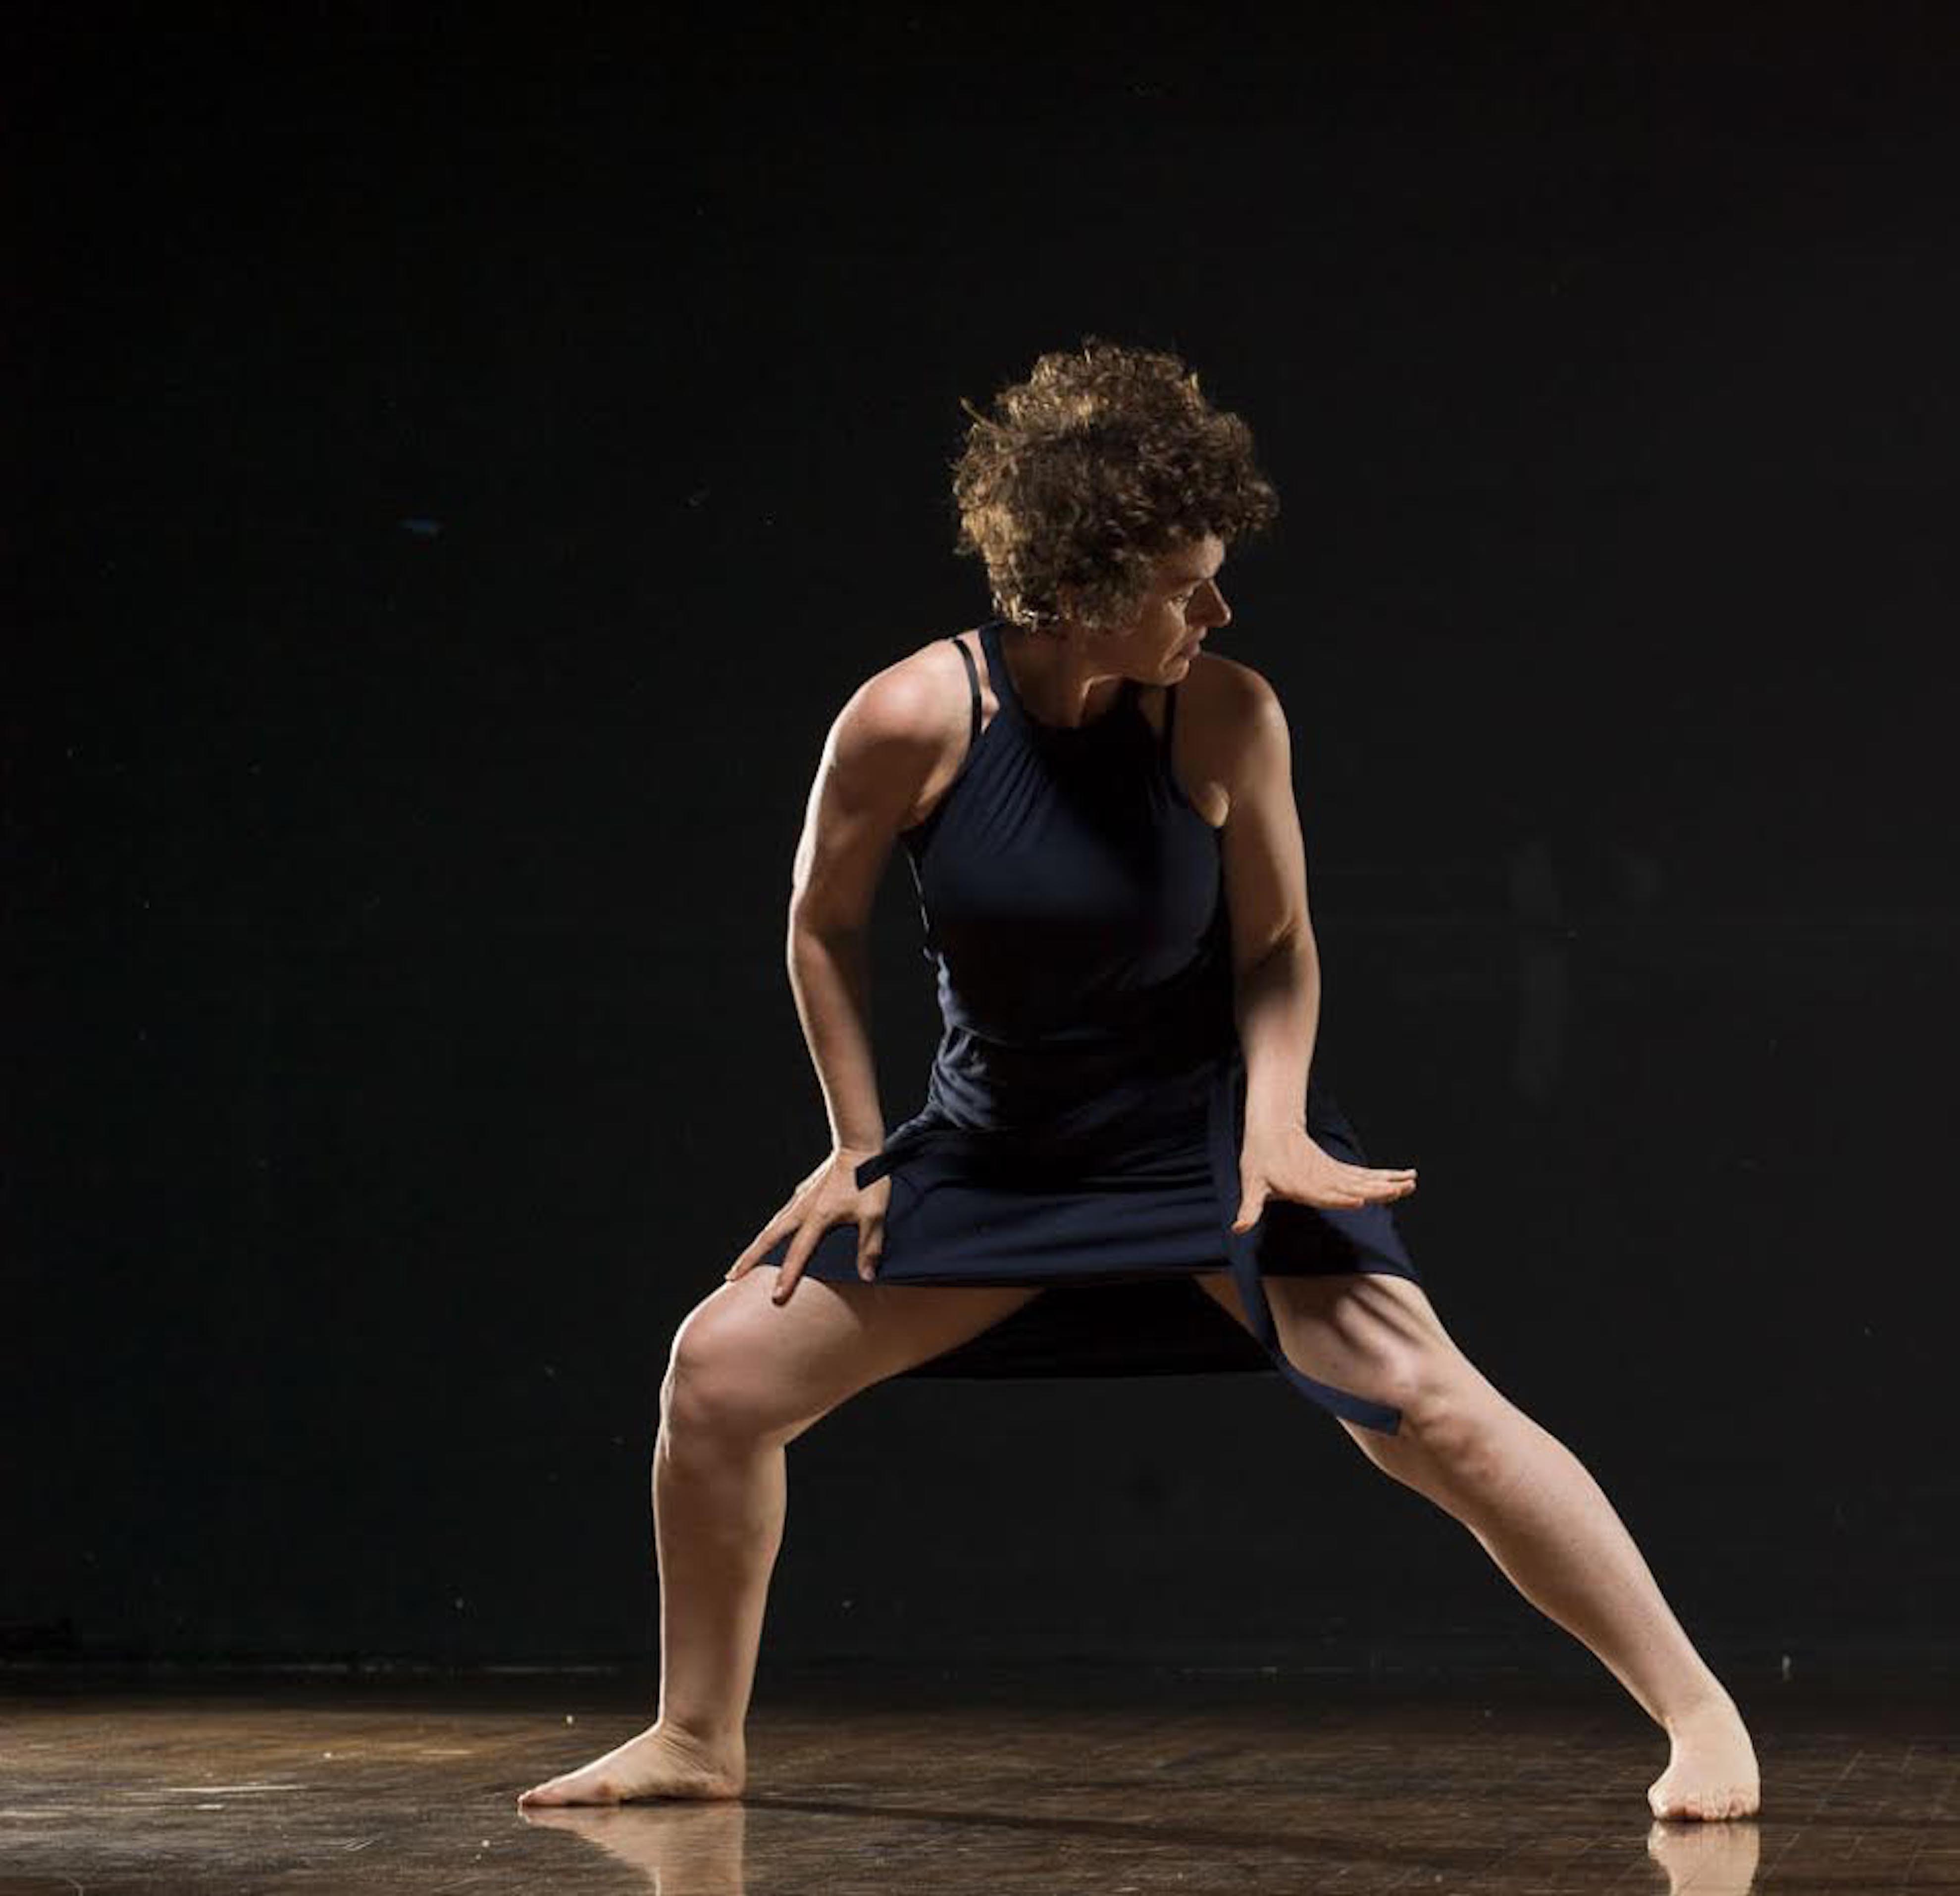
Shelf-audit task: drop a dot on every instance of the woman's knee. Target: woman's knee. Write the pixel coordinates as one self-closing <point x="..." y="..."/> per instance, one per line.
<point x="725" y="1384"/>
<point x="1447" y="1413"/>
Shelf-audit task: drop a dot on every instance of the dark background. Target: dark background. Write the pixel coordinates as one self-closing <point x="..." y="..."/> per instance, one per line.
<point x="462" y="480"/>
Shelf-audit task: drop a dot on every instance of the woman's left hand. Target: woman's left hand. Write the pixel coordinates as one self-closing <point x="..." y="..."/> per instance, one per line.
<point x="1283" y="1162"/>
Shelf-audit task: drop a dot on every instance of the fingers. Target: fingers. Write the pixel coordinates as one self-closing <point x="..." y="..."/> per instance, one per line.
<point x="870" y="1246"/>
<point x="753" y="1249"/>
<point x="783" y="1220"/>
<point x="1354" y="1186"/>
<point x="1378" y="1185"/>
<point x="797" y="1255"/>
<point x="1252" y="1205"/>
<point x="804" y="1221"/>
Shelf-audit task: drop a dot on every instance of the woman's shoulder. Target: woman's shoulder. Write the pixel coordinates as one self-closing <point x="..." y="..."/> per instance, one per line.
<point x="1224" y="710"/>
<point x="903" y="726"/>
<point x="910" y="720"/>
<point x="1223" y="698"/>
<point x="923" y="694"/>
<point x="1228" y="683"/>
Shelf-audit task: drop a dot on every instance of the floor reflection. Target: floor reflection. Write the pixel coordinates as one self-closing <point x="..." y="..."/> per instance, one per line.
<point x="696" y="1849"/>
<point x="1709" y="1860"/>
<point x="681" y="1849"/>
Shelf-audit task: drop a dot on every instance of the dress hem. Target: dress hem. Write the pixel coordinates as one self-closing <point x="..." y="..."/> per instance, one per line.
<point x="1238" y="1255"/>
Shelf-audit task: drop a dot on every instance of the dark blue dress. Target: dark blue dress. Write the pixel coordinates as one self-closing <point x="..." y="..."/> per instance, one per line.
<point x="1083" y="1113"/>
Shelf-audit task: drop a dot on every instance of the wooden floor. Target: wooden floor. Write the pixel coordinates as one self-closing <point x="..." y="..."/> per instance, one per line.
<point x="1114" y="1783"/>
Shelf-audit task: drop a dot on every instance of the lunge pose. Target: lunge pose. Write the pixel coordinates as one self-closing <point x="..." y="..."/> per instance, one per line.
<point x="1122" y="1146"/>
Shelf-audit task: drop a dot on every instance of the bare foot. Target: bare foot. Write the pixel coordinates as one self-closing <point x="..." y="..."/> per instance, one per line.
<point x="658" y="1763"/>
<point x="1711" y="1860"/>
<point x="1712" y="1771"/>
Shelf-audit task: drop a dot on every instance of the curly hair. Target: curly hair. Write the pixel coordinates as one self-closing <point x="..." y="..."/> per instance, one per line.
<point x="1103" y="459"/>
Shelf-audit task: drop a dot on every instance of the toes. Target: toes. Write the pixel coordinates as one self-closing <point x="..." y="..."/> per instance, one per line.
<point x="1697" y="1807"/>
<point x="556" y="1791"/>
<point x="1700" y="1806"/>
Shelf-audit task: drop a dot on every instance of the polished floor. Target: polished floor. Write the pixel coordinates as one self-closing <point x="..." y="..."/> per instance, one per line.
<point x="1119" y="1783"/>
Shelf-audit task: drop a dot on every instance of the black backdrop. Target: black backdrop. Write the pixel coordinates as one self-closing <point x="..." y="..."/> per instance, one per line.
<point x="462" y="480"/>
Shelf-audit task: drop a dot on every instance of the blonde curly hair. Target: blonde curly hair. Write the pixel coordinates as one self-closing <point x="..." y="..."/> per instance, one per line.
<point x="1104" y="458"/>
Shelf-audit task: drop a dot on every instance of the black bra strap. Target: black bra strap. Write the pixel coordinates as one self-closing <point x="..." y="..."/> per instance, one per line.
<point x="973" y="685"/>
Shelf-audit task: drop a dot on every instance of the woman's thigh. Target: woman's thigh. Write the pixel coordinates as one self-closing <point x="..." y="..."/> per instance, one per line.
<point x="1368" y="1331"/>
<point x="746" y="1361"/>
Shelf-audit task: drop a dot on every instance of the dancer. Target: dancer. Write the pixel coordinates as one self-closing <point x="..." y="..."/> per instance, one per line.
<point x="1100" y="818"/>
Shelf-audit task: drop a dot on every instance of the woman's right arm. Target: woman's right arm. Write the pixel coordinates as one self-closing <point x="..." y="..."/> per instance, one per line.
<point x="877" y="758"/>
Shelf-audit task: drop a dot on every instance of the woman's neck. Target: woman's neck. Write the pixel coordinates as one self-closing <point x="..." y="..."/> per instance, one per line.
<point x="1057" y="680"/>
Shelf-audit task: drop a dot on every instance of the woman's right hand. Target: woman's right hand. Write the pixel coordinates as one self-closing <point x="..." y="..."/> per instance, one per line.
<point x="829" y="1195"/>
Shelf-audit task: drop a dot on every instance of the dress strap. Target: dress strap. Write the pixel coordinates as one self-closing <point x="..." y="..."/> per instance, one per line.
<point x="973" y="686"/>
<point x="1170" y="715"/>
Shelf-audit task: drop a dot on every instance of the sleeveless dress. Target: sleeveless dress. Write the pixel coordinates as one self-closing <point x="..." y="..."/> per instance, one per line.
<point x="1083" y="1115"/>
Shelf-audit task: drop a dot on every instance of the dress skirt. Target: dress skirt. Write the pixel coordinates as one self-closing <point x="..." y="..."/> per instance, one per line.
<point x="1113" y="1231"/>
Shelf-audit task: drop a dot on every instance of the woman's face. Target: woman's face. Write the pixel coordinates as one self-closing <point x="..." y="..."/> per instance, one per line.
<point x="1182" y="604"/>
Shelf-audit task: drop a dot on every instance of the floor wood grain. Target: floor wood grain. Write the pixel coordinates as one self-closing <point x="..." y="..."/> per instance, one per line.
<point x="1122" y="1785"/>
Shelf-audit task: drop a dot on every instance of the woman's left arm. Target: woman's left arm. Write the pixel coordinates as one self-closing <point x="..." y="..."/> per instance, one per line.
<point x="1275" y="962"/>
<point x="1276" y="970"/>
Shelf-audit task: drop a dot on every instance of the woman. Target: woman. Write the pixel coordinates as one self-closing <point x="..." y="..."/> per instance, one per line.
<point x="1121" y="1138"/>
